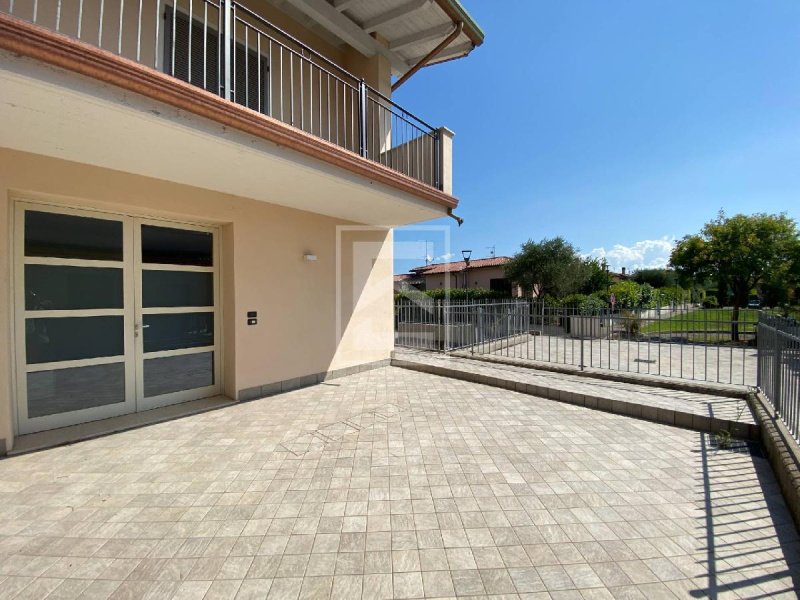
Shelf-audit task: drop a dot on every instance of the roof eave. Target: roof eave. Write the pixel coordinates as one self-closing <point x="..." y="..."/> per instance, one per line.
<point x="456" y="12"/>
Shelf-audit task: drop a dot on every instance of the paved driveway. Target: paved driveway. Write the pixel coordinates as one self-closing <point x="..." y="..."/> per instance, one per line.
<point x="394" y="483"/>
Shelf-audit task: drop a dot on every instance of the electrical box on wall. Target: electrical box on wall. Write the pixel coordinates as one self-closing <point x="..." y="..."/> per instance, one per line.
<point x="252" y="317"/>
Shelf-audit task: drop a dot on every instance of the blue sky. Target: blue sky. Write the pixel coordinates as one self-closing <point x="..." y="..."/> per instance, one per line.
<point x="618" y="125"/>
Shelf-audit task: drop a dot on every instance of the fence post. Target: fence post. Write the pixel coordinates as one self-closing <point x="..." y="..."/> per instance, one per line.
<point x="362" y="118"/>
<point x="759" y="353"/>
<point x="776" y="383"/>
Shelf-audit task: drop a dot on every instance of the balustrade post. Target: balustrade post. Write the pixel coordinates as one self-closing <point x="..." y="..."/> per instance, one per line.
<point x="227" y="48"/>
<point x="362" y="118"/>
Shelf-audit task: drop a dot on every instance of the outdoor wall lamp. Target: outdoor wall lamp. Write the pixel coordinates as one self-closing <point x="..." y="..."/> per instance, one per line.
<point x="309" y="257"/>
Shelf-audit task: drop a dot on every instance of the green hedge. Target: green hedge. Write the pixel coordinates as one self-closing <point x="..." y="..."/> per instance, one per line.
<point x="454" y="294"/>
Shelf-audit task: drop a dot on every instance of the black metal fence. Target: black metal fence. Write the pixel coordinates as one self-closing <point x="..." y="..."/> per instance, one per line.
<point x="227" y="48"/>
<point x="779" y="367"/>
<point x="685" y="341"/>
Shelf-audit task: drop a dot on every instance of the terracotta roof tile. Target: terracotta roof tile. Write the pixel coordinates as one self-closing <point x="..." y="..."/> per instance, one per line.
<point x="456" y="267"/>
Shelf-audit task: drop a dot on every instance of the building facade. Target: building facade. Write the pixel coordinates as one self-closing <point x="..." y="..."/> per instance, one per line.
<point x="197" y="197"/>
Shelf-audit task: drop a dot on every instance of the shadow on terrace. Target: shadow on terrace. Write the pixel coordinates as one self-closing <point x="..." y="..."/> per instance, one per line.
<point x="740" y="513"/>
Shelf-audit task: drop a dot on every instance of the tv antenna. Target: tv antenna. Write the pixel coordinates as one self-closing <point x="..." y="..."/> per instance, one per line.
<point x="491" y="251"/>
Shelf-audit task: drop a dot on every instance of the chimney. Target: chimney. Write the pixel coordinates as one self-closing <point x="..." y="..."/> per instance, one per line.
<point x="623" y="271"/>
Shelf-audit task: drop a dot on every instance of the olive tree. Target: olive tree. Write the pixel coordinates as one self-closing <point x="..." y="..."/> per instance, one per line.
<point x="551" y="267"/>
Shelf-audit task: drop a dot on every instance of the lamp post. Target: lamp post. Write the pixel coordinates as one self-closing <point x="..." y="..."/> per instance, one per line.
<point x="466" y="254"/>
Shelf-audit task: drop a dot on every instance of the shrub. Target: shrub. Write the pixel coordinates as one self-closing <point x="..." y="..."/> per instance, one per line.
<point x="710" y="302"/>
<point x="632" y="322"/>
<point x="627" y="294"/>
<point x="647" y="295"/>
<point x="572" y="301"/>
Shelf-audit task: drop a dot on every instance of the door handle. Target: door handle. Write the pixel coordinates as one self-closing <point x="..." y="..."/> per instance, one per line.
<point x="137" y="327"/>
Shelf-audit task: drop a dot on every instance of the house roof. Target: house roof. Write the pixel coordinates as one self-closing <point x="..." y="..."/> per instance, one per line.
<point x="458" y="266"/>
<point x="410" y="28"/>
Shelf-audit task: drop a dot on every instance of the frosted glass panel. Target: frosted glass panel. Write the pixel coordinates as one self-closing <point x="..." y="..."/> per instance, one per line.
<point x="67" y="390"/>
<point x="177" y="373"/>
<point x="176" y="331"/>
<point x="73" y="338"/>
<point x="177" y="288"/>
<point x="69" y="236"/>
<point x="49" y="287"/>
<point x="167" y="245"/>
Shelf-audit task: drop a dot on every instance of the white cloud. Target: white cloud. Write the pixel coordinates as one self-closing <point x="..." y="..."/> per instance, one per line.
<point x="644" y="254"/>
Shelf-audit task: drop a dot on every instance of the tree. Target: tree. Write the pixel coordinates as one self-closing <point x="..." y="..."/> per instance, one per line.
<point x="658" y="278"/>
<point x="597" y="277"/>
<point x="739" y="253"/>
<point x="551" y="267"/>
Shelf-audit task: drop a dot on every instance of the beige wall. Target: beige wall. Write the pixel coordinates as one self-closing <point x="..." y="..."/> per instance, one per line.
<point x="262" y="269"/>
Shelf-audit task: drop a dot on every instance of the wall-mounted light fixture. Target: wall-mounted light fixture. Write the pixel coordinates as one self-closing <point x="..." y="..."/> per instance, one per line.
<point x="309" y="257"/>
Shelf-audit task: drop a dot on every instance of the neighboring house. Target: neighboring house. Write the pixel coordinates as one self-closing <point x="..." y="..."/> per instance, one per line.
<point x="199" y="196"/>
<point x="408" y="281"/>
<point x="623" y="275"/>
<point x="487" y="273"/>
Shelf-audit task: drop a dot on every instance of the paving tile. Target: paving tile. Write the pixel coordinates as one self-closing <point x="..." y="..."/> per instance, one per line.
<point x="421" y="486"/>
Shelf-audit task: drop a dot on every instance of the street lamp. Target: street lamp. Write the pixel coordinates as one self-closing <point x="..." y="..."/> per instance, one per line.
<point x="466" y="254"/>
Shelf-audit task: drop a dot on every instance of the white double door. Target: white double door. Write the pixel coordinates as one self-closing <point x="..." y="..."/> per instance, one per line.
<point x="114" y="314"/>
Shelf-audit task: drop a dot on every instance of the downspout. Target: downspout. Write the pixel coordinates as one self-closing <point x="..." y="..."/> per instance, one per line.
<point x="431" y="55"/>
<point x="452" y="215"/>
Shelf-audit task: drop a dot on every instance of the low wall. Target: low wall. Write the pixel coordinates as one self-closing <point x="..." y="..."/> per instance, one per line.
<point x="782" y="450"/>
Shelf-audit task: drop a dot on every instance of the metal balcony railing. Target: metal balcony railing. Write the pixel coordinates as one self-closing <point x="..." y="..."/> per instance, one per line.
<point x="227" y="48"/>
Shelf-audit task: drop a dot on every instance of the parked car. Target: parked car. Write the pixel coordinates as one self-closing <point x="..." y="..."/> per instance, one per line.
<point x="754" y="304"/>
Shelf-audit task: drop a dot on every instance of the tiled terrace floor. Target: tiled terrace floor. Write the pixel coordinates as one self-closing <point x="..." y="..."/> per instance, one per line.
<point x="393" y="483"/>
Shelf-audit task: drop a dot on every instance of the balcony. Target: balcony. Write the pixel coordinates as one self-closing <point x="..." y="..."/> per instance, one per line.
<point x="229" y="50"/>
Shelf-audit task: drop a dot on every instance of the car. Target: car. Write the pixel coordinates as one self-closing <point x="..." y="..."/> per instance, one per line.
<point x="754" y="304"/>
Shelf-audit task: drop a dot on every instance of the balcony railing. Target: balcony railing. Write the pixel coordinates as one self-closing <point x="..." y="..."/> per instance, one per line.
<point x="226" y="48"/>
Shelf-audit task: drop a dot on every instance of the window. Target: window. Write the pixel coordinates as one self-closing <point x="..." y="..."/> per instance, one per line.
<point x="195" y="41"/>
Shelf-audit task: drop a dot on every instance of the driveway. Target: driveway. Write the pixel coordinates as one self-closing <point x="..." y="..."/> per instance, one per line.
<point x="393" y="483"/>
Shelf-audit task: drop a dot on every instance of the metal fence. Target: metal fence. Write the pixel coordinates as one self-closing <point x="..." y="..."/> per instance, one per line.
<point x="456" y="324"/>
<point x="779" y="367"/>
<point x="687" y="342"/>
<point x="227" y="48"/>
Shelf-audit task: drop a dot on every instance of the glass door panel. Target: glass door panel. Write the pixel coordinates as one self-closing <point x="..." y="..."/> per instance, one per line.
<point x="176" y="313"/>
<point x="74" y="332"/>
<point x="113" y="315"/>
<point x="57" y="339"/>
<point x="178" y="373"/>
<point x="60" y="287"/>
<point x="75" y="389"/>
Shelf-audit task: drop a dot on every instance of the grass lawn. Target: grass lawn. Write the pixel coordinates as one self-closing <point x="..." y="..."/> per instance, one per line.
<point x="703" y="319"/>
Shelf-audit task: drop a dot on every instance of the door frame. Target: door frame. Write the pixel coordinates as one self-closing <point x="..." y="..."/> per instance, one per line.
<point x="19" y="203"/>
